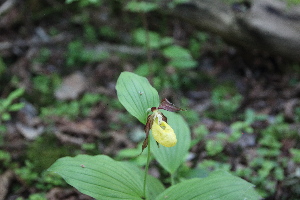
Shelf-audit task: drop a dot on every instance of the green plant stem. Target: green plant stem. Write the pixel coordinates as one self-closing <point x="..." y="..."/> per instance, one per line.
<point x="149" y="57"/>
<point x="147" y="45"/>
<point x="172" y="179"/>
<point x="147" y="167"/>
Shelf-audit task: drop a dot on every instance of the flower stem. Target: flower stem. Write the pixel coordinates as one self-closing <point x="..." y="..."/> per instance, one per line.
<point x="146" y="168"/>
<point x="147" y="44"/>
<point x="172" y="179"/>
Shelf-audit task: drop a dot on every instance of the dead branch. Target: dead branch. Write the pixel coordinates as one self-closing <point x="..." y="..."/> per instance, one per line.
<point x="102" y="47"/>
<point x="4" y="46"/>
<point x="267" y="25"/>
<point x="5" y="180"/>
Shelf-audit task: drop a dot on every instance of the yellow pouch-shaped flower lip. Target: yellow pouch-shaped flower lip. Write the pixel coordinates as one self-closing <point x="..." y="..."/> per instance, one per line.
<point x="164" y="134"/>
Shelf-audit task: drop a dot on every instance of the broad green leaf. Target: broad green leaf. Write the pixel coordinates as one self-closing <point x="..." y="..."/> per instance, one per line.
<point x="104" y="178"/>
<point x="179" y="57"/>
<point x="175" y="52"/>
<point x="219" y="185"/>
<point x="183" y="63"/>
<point x="141" y="38"/>
<point x="143" y="69"/>
<point x="172" y="157"/>
<point x="213" y="147"/>
<point x="136" y="95"/>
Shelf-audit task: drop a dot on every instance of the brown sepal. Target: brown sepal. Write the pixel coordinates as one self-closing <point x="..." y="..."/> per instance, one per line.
<point x="147" y="129"/>
<point x="167" y="105"/>
<point x="145" y="144"/>
<point x="164" y="118"/>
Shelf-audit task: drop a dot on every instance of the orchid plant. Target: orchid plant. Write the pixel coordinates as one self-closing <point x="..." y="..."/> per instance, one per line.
<point x="101" y="177"/>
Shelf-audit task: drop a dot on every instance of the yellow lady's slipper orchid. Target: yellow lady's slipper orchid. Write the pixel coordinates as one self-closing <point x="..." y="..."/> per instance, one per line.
<point x="163" y="133"/>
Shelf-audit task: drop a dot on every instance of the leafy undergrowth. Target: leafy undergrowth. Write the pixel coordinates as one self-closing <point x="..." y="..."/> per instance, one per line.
<point x="242" y="109"/>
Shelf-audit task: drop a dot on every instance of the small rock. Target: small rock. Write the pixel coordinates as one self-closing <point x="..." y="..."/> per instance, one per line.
<point x="247" y="140"/>
<point x="72" y="86"/>
<point x="28" y="114"/>
<point x="5" y="182"/>
<point x="28" y="132"/>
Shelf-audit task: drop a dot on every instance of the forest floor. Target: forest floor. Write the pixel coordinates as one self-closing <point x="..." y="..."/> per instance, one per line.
<point x="59" y="64"/>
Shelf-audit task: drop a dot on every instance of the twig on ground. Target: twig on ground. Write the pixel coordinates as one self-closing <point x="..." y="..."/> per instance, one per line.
<point x="6" y="6"/>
